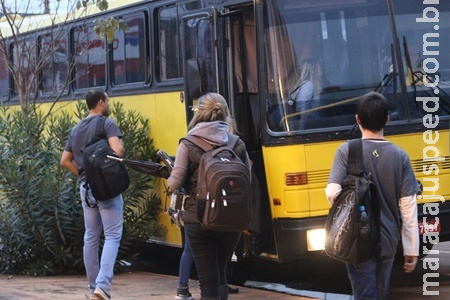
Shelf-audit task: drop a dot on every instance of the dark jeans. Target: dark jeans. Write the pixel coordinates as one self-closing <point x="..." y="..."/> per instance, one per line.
<point x="186" y="262"/>
<point x="211" y="251"/>
<point x="370" y="279"/>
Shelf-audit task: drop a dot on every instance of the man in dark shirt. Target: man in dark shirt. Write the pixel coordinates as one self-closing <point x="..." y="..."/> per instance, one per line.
<point x="393" y="175"/>
<point x="106" y="215"/>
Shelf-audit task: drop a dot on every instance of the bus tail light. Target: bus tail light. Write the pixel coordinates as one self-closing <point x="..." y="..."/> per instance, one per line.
<point x="300" y="178"/>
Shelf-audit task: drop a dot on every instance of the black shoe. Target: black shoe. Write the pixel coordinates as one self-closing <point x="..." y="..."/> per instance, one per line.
<point x="183" y="293"/>
<point x="233" y="290"/>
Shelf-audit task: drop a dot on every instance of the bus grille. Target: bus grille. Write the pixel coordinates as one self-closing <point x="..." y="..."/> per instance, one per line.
<point x="419" y="163"/>
<point x="319" y="176"/>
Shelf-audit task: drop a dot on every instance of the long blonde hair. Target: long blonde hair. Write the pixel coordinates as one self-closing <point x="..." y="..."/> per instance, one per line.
<point x="213" y="107"/>
<point x="309" y="70"/>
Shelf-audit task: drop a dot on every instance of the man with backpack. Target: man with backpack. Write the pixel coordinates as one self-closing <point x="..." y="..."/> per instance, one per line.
<point x="212" y="244"/>
<point x="397" y="188"/>
<point x="107" y="214"/>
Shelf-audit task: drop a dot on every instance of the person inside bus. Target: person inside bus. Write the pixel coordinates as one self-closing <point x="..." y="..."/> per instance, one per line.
<point x="211" y="250"/>
<point x="393" y="175"/>
<point x="307" y="89"/>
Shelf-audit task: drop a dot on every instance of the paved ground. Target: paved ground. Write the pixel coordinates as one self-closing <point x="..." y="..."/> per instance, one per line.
<point x="133" y="285"/>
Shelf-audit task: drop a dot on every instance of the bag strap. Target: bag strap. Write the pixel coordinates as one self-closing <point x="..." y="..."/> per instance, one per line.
<point x="199" y="142"/>
<point x="355" y="165"/>
<point x="86" y="196"/>
<point x="205" y="146"/>
<point x="99" y="134"/>
<point x="232" y="140"/>
<point x="100" y="128"/>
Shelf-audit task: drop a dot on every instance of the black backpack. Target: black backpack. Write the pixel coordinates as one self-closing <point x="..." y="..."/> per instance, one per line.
<point x="223" y="198"/>
<point x="351" y="235"/>
<point x="106" y="178"/>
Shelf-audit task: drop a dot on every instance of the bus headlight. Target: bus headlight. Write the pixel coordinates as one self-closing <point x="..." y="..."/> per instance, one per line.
<point x="316" y="239"/>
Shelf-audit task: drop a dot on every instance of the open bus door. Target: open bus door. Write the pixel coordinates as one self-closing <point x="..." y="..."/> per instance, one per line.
<point x="198" y="36"/>
<point x="220" y="55"/>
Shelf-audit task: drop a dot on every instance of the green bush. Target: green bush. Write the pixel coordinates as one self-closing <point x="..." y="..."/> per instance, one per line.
<point x="41" y="218"/>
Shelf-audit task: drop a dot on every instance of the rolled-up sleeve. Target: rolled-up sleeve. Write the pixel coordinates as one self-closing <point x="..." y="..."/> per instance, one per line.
<point x="332" y="190"/>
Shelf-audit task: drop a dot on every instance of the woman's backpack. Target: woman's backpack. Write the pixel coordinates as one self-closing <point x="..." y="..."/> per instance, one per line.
<point x="223" y="199"/>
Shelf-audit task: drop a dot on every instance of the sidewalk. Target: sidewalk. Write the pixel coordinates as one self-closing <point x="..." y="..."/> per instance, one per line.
<point x="133" y="285"/>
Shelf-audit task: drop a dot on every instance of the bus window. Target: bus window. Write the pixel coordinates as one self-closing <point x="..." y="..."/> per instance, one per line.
<point x="321" y="59"/>
<point x="129" y="52"/>
<point x="90" y="57"/>
<point x="26" y="62"/>
<point x="169" y="60"/>
<point x="54" y="70"/>
<point x="170" y="65"/>
<point x="4" y="79"/>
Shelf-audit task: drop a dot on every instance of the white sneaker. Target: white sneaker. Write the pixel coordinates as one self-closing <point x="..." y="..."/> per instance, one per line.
<point x="102" y="294"/>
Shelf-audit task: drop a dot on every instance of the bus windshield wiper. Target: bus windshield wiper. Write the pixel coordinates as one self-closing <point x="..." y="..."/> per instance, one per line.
<point x="418" y="76"/>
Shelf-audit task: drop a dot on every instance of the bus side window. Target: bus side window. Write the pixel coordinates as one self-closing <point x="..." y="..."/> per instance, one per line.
<point x="169" y="61"/>
<point x="129" y="52"/>
<point x="90" y="58"/>
<point x="4" y="79"/>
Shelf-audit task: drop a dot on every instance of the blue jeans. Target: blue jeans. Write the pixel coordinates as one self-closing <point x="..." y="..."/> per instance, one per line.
<point x="106" y="216"/>
<point x="370" y="279"/>
<point x="211" y="251"/>
<point x="186" y="262"/>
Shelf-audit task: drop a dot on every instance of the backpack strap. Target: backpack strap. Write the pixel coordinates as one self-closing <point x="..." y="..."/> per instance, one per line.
<point x="199" y="142"/>
<point x="100" y="128"/>
<point x="232" y="140"/>
<point x="355" y="165"/>
<point x="205" y="146"/>
<point x="99" y="134"/>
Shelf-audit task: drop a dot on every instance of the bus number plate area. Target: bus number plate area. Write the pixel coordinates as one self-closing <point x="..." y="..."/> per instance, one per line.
<point x="431" y="225"/>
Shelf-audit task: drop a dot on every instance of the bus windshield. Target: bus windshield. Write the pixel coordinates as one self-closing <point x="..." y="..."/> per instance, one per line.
<point x="320" y="59"/>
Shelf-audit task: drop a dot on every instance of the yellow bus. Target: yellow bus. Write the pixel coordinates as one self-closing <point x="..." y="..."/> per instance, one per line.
<point x="253" y="53"/>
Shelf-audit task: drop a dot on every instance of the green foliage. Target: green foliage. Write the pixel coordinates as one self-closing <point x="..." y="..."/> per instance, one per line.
<point x="41" y="218"/>
<point x="101" y="4"/>
<point x="104" y="27"/>
<point x="39" y="221"/>
<point x="107" y="27"/>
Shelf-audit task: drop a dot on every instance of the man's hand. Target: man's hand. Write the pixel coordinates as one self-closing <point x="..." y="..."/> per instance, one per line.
<point x="410" y="263"/>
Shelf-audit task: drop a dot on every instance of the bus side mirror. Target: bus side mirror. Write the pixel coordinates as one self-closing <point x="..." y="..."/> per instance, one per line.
<point x="195" y="77"/>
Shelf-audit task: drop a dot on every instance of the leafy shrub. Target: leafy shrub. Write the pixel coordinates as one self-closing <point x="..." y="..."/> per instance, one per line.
<point x="41" y="219"/>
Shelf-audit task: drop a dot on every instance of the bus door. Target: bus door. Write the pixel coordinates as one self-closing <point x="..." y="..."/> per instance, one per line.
<point x="220" y="55"/>
<point x="198" y="34"/>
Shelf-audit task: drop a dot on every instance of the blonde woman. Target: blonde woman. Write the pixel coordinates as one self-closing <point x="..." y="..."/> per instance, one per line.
<point x="306" y="89"/>
<point x="211" y="249"/>
<point x="309" y="83"/>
